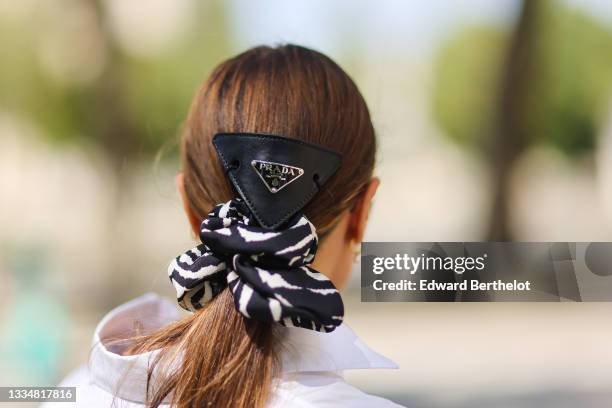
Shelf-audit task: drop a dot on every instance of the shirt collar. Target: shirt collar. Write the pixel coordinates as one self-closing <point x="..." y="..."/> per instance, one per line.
<point x="302" y="350"/>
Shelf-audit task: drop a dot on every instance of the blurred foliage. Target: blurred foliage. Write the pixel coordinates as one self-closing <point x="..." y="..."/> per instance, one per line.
<point x="467" y="72"/>
<point x="134" y="106"/>
<point x="571" y="83"/>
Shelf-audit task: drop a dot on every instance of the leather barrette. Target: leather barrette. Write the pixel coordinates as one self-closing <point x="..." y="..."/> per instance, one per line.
<point x="276" y="176"/>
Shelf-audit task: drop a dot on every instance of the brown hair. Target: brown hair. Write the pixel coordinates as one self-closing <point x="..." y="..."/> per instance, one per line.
<point x="225" y="359"/>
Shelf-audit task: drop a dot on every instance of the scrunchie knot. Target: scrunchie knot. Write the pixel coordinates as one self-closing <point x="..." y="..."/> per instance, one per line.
<point x="267" y="271"/>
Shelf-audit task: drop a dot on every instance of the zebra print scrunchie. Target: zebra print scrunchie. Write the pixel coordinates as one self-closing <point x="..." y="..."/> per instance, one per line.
<point x="267" y="271"/>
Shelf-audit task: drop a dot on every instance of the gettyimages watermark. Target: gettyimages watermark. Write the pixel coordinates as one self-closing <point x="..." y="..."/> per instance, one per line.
<point x="486" y="271"/>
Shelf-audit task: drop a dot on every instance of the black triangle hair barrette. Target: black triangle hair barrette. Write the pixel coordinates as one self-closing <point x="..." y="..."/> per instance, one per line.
<point x="276" y="176"/>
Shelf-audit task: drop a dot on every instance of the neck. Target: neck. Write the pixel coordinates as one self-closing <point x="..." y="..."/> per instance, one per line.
<point x="334" y="257"/>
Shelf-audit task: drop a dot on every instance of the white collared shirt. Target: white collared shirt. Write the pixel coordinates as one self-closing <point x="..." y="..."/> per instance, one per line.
<point x="311" y="376"/>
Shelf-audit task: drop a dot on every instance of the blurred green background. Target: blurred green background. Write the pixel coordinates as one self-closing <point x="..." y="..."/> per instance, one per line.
<point x="494" y="121"/>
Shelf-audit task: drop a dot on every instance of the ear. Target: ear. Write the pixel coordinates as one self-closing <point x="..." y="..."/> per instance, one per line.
<point x="194" y="220"/>
<point x="359" y="215"/>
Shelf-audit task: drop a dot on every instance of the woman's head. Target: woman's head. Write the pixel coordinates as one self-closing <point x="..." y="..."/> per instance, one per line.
<point x="294" y="92"/>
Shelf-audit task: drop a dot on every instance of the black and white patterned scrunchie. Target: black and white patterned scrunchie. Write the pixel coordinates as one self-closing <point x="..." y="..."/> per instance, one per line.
<point x="267" y="271"/>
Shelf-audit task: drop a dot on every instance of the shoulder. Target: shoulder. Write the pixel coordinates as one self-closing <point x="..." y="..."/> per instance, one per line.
<point x="88" y="395"/>
<point x="321" y="390"/>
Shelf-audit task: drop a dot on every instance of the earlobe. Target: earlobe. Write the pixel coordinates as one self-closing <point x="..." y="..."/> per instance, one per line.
<point x="194" y="221"/>
<point x="359" y="215"/>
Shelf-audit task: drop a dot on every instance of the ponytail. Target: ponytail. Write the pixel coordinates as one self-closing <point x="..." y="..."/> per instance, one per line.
<point x="241" y="283"/>
<point x="217" y="349"/>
